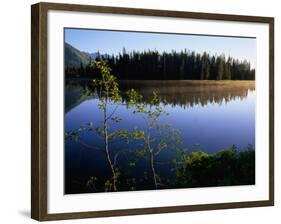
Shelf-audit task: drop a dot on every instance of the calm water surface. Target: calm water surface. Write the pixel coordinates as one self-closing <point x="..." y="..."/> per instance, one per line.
<point x="210" y="116"/>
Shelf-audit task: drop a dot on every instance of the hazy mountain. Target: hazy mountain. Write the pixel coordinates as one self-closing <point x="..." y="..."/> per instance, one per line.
<point x="74" y="57"/>
<point x="94" y="55"/>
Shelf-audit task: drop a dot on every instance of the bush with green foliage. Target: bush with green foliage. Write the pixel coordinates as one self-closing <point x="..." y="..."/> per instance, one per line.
<point x="224" y="168"/>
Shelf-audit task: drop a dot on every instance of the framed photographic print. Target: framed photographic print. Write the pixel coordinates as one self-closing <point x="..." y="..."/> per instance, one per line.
<point x="139" y="111"/>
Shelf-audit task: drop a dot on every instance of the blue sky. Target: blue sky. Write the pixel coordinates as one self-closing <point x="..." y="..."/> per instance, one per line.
<point x="112" y="42"/>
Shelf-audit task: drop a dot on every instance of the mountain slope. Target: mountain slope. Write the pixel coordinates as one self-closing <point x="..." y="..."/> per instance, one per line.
<point x="73" y="57"/>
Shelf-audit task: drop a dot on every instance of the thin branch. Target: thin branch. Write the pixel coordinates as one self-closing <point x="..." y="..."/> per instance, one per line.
<point x="112" y="113"/>
<point x="89" y="146"/>
<point x="117" y="154"/>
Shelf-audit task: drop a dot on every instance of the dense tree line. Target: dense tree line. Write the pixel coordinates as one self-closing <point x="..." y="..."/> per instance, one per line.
<point x="152" y="65"/>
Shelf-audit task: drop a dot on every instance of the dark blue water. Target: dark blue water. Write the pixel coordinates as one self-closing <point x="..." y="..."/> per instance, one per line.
<point x="208" y="118"/>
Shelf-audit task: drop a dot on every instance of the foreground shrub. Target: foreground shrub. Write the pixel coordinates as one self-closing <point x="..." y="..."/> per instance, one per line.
<point x="224" y="168"/>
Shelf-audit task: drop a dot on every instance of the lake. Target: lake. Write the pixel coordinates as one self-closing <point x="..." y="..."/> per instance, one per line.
<point x="210" y="115"/>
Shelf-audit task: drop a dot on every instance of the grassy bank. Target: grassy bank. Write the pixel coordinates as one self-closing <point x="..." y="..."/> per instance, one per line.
<point x="225" y="168"/>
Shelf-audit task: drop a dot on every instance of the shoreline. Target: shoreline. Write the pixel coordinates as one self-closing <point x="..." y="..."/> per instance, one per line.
<point x="191" y="83"/>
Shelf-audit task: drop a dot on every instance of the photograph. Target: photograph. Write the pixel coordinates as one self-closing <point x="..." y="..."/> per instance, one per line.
<point x="155" y="111"/>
